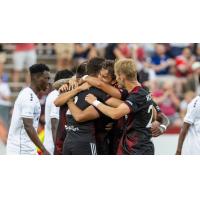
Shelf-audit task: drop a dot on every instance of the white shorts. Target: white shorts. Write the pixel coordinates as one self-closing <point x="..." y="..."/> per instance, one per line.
<point x="15" y="150"/>
<point x="24" y="59"/>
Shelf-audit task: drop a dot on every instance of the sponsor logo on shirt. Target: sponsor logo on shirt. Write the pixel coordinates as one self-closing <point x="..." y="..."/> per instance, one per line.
<point x="72" y="128"/>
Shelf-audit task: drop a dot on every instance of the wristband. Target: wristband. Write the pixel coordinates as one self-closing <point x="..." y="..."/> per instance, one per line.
<point x="84" y="77"/>
<point x="96" y="103"/>
<point x="163" y="126"/>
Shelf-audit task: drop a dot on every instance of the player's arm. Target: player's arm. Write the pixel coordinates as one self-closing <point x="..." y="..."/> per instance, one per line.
<point x="63" y="98"/>
<point x="110" y="90"/>
<point x="90" y="113"/>
<point x="114" y="113"/>
<point x="181" y="138"/>
<point x="189" y="119"/>
<point x="28" y="125"/>
<point x="114" y="102"/>
<point x="54" y="118"/>
<point x="161" y="122"/>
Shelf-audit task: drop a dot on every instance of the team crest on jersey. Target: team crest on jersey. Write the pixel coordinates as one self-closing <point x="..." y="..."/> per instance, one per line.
<point x="148" y="97"/>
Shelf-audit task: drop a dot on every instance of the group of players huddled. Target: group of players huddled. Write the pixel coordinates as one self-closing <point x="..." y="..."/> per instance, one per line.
<point x="101" y="109"/>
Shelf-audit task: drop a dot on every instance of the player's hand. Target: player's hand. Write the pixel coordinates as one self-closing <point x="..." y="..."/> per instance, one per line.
<point x="90" y="98"/>
<point x="155" y="129"/>
<point x="84" y="86"/>
<point x="73" y="84"/>
<point x="45" y="153"/>
<point x="178" y="152"/>
<point x="63" y="88"/>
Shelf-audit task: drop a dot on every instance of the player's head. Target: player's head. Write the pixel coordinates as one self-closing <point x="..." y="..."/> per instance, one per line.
<point x="107" y="74"/>
<point x="94" y="66"/>
<point x="63" y="74"/>
<point x="81" y="70"/>
<point x="40" y="76"/>
<point x="125" y="70"/>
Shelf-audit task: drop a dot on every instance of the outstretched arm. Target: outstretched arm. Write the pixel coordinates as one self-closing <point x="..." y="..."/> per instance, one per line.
<point x="114" y="113"/>
<point x="79" y="115"/>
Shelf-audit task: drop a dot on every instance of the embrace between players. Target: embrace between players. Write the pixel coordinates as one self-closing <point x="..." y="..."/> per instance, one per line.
<point x="109" y="111"/>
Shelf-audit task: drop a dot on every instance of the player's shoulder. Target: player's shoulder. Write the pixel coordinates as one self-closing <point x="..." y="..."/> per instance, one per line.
<point x="195" y="103"/>
<point x="96" y="91"/>
<point x="27" y="93"/>
<point x="53" y="94"/>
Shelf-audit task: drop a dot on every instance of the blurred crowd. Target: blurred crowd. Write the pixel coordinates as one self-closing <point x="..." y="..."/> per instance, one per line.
<point x="170" y="70"/>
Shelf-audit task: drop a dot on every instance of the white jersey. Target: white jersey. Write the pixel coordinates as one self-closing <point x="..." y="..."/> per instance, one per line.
<point x="191" y="145"/>
<point x="27" y="105"/>
<point x="51" y="111"/>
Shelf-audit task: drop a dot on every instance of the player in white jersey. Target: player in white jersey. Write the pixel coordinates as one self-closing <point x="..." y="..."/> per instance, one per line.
<point x="189" y="138"/>
<point x="52" y="113"/>
<point x="22" y="136"/>
<point x="51" y="121"/>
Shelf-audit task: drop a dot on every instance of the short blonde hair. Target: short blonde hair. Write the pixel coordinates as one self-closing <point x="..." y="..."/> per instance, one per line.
<point x="126" y="67"/>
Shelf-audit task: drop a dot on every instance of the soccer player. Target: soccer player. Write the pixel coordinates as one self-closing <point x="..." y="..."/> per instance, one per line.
<point x="52" y="114"/>
<point x="138" y="110"/>
<point x="22" y="136"/>
<point x="189" y="137"/>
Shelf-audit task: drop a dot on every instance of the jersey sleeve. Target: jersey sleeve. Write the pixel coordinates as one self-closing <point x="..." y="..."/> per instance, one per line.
<point x="155" y="105"/>
<point x="132" y="103"/>
<point x="102" y="96"/>
<point x="27" y="106"/>
<point x="191" y="113"/>
<point x="124" y="93"/>
<point x="54" y="111"/>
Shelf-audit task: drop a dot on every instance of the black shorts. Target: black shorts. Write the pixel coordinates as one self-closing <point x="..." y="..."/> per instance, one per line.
<point x="133" y="146"/>
<point x="79" y="146"/>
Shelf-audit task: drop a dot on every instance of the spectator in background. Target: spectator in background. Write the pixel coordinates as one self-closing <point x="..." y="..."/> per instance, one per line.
<point x="114" y="50"/>
<point x="5" y="103"/>
<point x="184" y="63"/>
<point x="198" y="53"/>
<point x="183" y="71"/>
<point x="84" y="51"/>
<point x="177" y="48"/>
<point x="168" y="103"/>
<point x="2" y="61"/>
<point x="146" y="75"/>
<point x="64" y="54"/>
<point x="24" y="56"/>
<point x="160" y="62"/>
<point x="100" y="47"/>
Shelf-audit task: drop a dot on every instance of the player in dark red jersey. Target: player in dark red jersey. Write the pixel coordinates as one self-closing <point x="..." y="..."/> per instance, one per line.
<point x="138" y="110"/>
<point x="80" y="116"/>
<point x="107" y="82"/>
